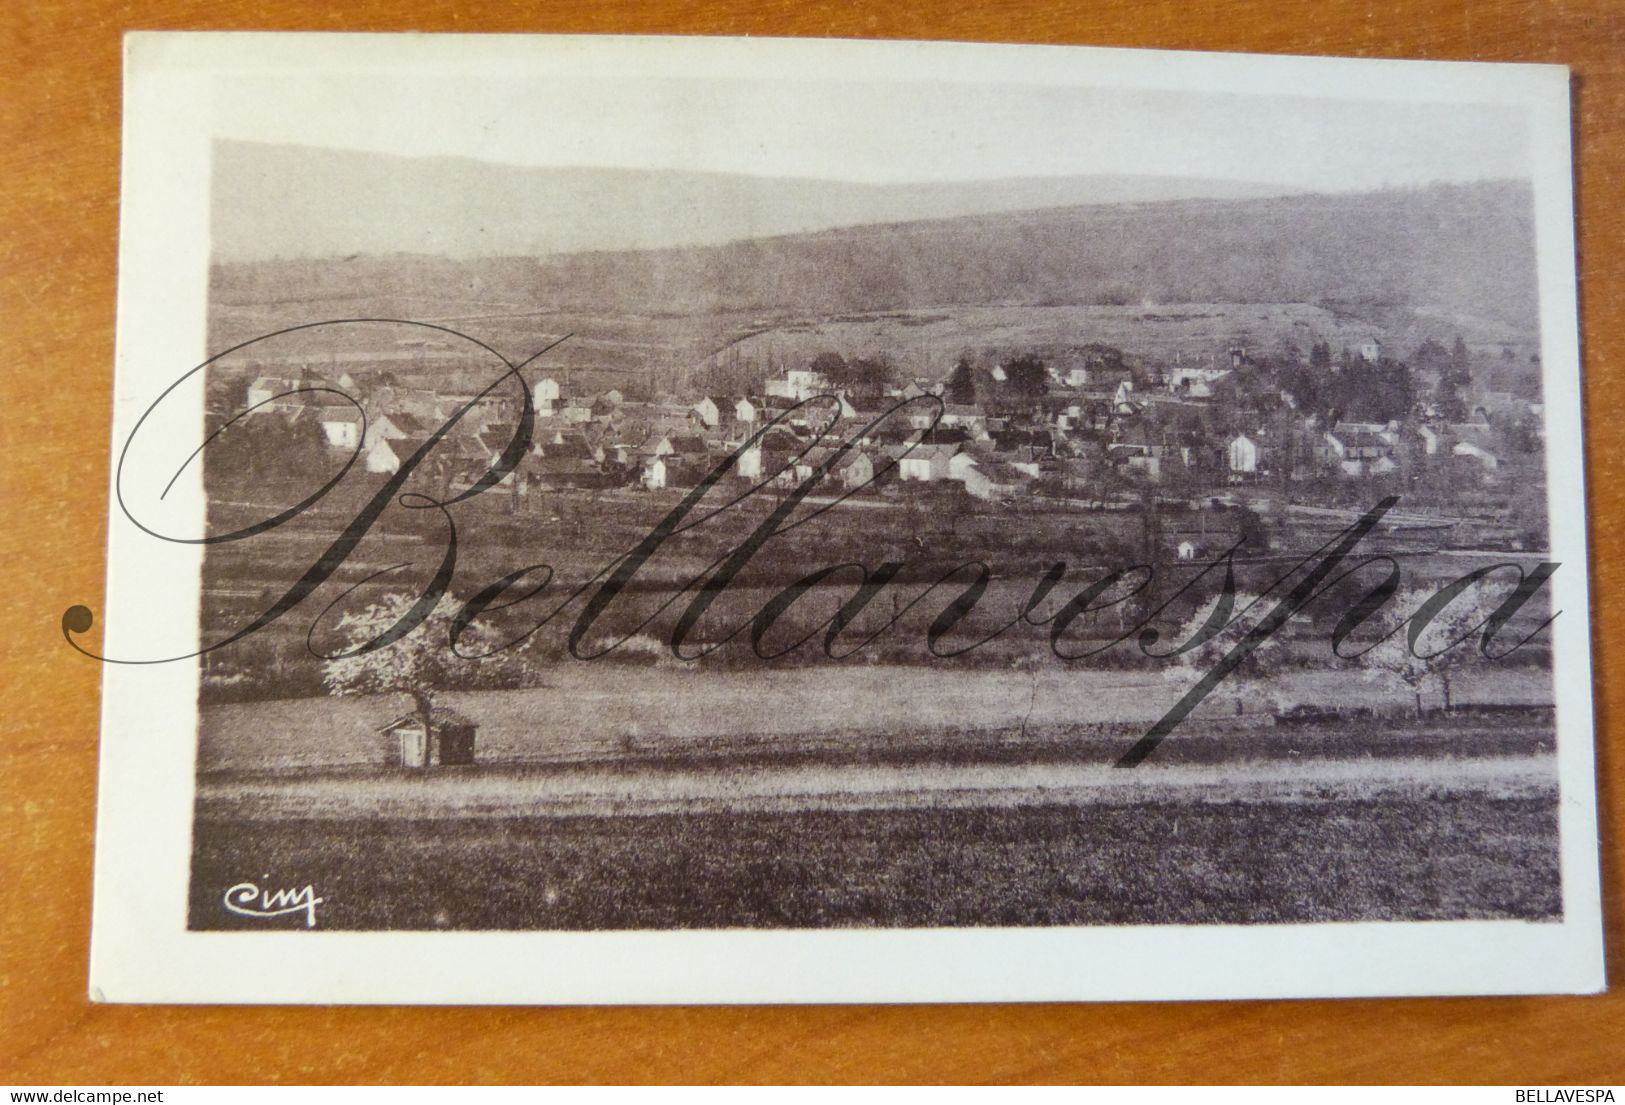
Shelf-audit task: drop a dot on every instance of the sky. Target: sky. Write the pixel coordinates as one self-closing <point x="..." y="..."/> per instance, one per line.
<point x="877" y="131"/>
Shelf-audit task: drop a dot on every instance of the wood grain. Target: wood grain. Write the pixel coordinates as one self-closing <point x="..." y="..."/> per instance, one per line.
<point x="59" y="115"/>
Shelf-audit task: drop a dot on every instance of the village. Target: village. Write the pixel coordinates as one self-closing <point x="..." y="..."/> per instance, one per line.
<point x="1084" y="457"/>
<point x="1088" y="427"/>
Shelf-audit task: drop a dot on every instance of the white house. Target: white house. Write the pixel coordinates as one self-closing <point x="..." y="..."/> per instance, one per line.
<point x="1123" y="400"/>
<point x="960" y="465"/>
<point x="1243" y="454"/>
<point x="987" y="478"/>
<point x="707" y="412"/>
<point x="382" y="427"/>
<point x="798" y="384"/>
<point x="342" y="426"/>
<point x="1478" y="453"/>
<point x="854" y="470"/>
<point x="383" y="457"/>
<point x="963" y="468"/>
<point x="1194" y="382"/>
<point x="820" y="414"/>
<point x="923" y="462"/>
<point x="1387" y="432"/>
<point x="265" y="387"/>
<point x="545" y="395"/>
<point x="654" y="473"/>
<point x="968" y="415"/>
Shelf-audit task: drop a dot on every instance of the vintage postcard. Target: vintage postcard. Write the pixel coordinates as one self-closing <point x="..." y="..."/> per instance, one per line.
<point x="707" y="520"/>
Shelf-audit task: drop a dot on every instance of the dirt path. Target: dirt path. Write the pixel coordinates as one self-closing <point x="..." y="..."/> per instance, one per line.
<point x="485" y="793"/>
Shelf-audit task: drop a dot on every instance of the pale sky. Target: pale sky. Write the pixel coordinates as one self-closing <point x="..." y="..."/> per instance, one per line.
<point x="883" y="131"/>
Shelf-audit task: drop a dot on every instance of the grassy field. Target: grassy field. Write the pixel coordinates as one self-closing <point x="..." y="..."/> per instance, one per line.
<point x="1062" y="864"/>
<point x="925" y="340"/>
<point x="651" y="797"/>
<point x="601" y="711"/>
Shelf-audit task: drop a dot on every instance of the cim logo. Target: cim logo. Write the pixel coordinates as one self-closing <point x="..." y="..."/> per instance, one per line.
<point x="249" y="900"/>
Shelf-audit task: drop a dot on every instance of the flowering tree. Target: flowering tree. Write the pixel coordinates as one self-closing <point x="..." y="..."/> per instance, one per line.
<point x="1441" y="649"/>
<point x="1213" y="630"/>
<point x="418" y="664"/>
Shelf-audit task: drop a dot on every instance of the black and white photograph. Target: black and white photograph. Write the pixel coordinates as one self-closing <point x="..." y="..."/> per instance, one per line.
<point x="767" y="491"/>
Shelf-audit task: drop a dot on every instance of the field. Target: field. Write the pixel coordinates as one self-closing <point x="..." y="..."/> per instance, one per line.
<point x="1152" y="863"/>
<point x="625" y="797"/>
<point x="927" y="341"/>
<point x="604" y="711"/>
<point x="621" y="350"/>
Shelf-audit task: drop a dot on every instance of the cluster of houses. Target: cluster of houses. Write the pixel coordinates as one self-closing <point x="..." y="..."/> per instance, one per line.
<point x="1087" y="422"/>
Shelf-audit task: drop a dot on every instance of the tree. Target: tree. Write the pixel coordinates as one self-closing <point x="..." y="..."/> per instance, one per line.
<point x="1432" y="357"/>
<point x="1441" y="648"/>
<point x="1252" y="533"/>
<point x="1026" y="375"/>
<point x="1448" y="400"/>
<point x="831" y="366"/>
<point x="860" y="374"/>
<point x="1378" y="392"/>
<point x="961" y="387"/>
<point x="421" y="663"/>
<point x="267" y="446"/>
<point x="1522" y="434"/>
<point x="1459" y="370"/>
<point x="1213" y="631"/>
<point x="869" y="375"/>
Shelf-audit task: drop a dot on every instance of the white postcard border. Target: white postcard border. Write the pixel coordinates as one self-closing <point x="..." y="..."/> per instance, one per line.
<point x="141" y="948"/>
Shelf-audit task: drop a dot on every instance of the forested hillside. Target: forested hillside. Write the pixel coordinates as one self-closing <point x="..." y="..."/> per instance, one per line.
<point x="1460" y="251"/>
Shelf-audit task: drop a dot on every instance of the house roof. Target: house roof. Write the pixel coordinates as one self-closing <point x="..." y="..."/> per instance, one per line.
<point x="822" y="454"/>
<point x="1007" y="440"/>
<point x="439" y="717"/>
<point x="1359" y="439"/>
<point x="686" y="443"/>
<point x="496" y="441"/>
<point x="571" y="448"/>
<point x="556" y="465"/>
<point x="922" y="452"/>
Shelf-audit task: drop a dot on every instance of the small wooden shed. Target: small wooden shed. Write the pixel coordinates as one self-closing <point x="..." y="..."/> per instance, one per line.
<point x="449" y="741"/>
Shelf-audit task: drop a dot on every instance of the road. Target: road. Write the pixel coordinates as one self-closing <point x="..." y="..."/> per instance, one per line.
<point x="641" y="790"/>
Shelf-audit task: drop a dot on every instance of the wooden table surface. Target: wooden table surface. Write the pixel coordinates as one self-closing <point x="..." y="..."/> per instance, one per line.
<point x="59" y="214"/>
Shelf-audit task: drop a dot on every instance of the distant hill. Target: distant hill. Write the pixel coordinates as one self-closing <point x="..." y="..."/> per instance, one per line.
<point x="1447" y="251"/>
<point x="299" y="201"/>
